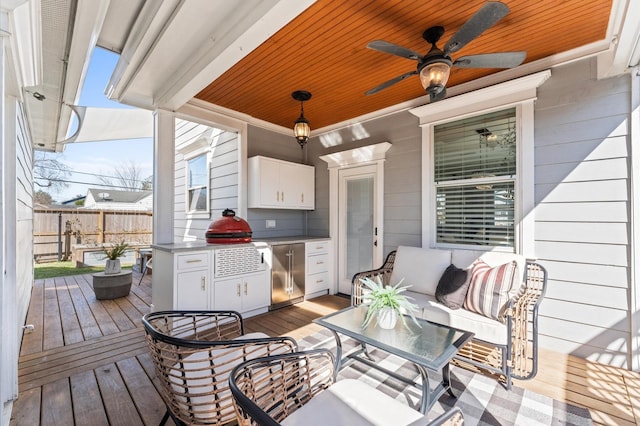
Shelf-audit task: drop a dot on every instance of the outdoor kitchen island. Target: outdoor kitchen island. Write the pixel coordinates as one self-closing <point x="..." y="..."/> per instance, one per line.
<point x="201" y="276"/>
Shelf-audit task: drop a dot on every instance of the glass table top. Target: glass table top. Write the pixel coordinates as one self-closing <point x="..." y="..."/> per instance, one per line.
<point x="431" y="345"/>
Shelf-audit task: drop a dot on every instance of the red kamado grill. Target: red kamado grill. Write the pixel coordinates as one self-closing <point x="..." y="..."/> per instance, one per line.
<point x="229" y="229"/>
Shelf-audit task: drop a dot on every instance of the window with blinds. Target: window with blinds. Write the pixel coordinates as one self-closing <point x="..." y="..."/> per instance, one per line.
<point x="474" y="179"/>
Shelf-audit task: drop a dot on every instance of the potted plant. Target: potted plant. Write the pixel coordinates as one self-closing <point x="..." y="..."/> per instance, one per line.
<point x="386" y="304"/>
<point x="112" y="255"/>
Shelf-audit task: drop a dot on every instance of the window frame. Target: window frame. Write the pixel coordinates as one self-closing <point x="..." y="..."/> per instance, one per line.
<point x="204" y="151"/>
<point x="519" y="93"/>
<point x="510" y="178"/>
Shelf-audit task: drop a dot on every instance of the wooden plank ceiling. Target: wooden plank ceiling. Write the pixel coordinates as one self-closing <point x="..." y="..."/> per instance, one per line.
<point x="324" y="51"/>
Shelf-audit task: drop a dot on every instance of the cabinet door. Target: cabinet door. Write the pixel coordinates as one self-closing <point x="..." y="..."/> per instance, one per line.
<point x="255" y="291"/>
<point x="228" y="295"/>
<point x="306" y="189"/>
<point x="192" y="290"/>
<point x="288" y="184"/>
<point x="264" y="181"/>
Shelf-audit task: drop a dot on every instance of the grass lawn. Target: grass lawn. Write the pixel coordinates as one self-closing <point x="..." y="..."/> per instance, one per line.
<point x="62" y="269"/>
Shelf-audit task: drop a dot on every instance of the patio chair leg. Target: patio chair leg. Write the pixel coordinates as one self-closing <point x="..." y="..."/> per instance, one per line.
<point x="164" y="418"/>
<point x="144" y="271"/>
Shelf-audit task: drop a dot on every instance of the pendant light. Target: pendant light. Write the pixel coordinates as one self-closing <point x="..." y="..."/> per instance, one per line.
<point x="301" y="129"/>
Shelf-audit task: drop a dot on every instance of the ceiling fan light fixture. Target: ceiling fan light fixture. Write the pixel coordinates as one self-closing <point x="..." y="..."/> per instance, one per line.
<point x="301" y="128"/>
<point x="435" y="75"/>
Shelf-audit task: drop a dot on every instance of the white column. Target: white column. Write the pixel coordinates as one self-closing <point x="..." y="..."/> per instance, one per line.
<point x="634" y="228"/>
<point x="163" y="177"/>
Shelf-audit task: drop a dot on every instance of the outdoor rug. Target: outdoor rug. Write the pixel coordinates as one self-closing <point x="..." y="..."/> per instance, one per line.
<point x="482" y="399"/>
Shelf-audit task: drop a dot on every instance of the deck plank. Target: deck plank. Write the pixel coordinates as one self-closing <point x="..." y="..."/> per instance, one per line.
<point x="88" y="322"/>
<point x="52" y="326"/>
<point x="87" y="404"/>
<point x="26" y="409"/>
<point x="32" y="341"/>
<point x="56" y="404"/>
<point x="71" y="330"/>
<point x="118" y="404"/>
<point x="151" y="407"/>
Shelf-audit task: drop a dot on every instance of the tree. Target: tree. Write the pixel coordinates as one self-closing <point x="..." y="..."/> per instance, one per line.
<point x="43" y="198"/>
<point x="147" y="184"/>
<point x="125" y="176"/>
<point x="50" y="172"/>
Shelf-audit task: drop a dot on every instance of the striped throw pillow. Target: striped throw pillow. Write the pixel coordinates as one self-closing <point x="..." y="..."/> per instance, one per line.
<point x="489" y="289"/>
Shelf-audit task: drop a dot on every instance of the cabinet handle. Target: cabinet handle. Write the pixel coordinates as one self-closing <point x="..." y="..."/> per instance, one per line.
<point x="277" y="195"/>
<point x="283" y="196"/>
<point x="194" y="261"/>
<point x="203" y="281"/>
<point x="302" y="197"/>
<point x="319" y="281"/>
<point x="238" y="290"/>
<point x="319" y="262"/>
<point x="245" y="289"/>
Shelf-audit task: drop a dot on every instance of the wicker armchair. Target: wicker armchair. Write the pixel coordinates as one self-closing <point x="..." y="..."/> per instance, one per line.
<point x="299" y="389"/>
<point x="519" y="357"/>
<point x="193" y="353"/>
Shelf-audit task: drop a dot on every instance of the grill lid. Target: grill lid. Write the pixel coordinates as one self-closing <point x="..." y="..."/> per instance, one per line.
<point x="228" y="229"/>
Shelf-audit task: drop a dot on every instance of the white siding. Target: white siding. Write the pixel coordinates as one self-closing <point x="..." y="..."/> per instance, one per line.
<point x="223" y="183"/>
<point x="582" y="221"/>
<point x="16" y="218"/>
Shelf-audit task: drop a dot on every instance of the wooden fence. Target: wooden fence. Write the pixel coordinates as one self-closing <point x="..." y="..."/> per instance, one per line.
<point x="56" y="232"/>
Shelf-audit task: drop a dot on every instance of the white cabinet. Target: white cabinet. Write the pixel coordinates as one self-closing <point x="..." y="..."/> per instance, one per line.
<point x="193" y="284"/>
<point x="280" y="184"/>
<point x="243" y="293"/>
<point x="318" y="268"/>
<point x="231" y="277"/>
<point x="181" y="280"/>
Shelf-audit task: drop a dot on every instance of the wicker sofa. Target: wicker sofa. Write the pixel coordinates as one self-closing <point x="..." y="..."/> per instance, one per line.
<point x="506" y="345"/>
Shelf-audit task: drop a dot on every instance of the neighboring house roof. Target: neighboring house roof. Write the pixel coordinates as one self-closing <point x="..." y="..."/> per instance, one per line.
<point x="110" y="199"/>
<point x="73" y="201"/>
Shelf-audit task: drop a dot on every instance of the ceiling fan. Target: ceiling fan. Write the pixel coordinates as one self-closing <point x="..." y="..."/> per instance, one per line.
<point x="434" y="67"/>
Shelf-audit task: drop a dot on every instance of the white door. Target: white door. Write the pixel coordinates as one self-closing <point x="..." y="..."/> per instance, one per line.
<point x="358" y="213"/>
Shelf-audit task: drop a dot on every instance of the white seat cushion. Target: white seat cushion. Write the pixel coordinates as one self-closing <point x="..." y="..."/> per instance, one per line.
<point x="486" y="329"/>
<point x="352" y="402"/>
<point x="421" y="268"/>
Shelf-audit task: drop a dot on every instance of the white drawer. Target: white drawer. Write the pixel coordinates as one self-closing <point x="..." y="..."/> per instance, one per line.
<point x="316" y="282"/>
<point x="193" y="260"/>
<point x="317" y="263"/>
<point x="314" y="247"/>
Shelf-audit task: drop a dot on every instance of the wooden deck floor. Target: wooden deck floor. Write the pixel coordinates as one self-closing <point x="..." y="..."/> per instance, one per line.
<point x="86" y="362"/>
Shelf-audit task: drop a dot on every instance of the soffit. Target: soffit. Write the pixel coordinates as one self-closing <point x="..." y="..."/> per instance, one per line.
<point x="323" y="50"/>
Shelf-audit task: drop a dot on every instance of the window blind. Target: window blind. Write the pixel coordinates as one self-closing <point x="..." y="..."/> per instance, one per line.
<point x="474" y="179"/>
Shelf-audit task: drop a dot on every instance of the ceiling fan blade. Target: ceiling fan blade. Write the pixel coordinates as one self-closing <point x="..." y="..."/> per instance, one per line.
<point x="484" y="19"/>
<point x="394" y="49"/>
<point x="491" y="60"/>
<point x="390" y="82"/>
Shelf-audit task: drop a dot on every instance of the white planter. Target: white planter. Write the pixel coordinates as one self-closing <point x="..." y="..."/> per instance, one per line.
<point x="387" y="318"/>
<point x="113" y="267"/>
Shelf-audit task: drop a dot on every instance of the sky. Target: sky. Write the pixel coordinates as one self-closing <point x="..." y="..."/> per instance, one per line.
<point x="87" y="159"/>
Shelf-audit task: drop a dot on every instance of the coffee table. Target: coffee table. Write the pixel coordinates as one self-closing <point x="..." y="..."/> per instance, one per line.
<point x="430" y="347"/>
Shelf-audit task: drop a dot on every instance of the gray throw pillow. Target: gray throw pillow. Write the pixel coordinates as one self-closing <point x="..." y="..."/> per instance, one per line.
<point x="452" y="287"/>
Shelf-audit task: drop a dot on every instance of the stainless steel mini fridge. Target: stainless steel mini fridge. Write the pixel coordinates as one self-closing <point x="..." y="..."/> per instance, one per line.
<point x="287" y="275"/>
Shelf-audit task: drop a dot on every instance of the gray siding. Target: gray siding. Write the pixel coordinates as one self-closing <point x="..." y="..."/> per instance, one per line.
<point x="223" y="182"/>
<point x="24" y="214"/>
<point x="283" y="147"/>
<point x="402" y="168"/>
<point x="582" y="212"/>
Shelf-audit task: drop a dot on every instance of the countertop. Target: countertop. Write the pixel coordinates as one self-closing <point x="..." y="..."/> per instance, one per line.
<point x="201" y="245"/>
